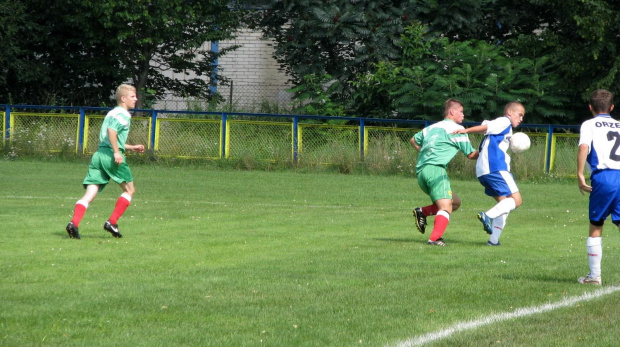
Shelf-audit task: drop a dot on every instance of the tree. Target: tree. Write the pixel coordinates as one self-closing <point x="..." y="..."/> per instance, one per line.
<point x="346" y="39"/>
<point x="578" y="38"/>
<point x="480" y="74"/>
<point x="343" y="39"/>
<point x="85" y="48"/>
<point x="14" y="21"/>
<point x="13" y="16"/>
<point x="337" y="38"/>
<point x="586" y="44"/>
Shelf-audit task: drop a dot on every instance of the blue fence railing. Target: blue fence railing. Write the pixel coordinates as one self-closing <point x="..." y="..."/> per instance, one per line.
<point x="224" y="119"/>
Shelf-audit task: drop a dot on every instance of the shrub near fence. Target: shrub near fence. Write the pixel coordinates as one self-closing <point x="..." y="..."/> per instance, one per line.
<point x="348" y="143"/>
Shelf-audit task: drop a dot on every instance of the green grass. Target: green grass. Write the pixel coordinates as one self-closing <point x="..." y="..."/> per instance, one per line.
<point x="247" y="258"/>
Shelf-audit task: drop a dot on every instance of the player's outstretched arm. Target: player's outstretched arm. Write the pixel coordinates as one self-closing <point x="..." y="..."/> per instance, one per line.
<point x="478" y="129"/>
<point x="135" y="148"/>
<point x="473" y="155"/>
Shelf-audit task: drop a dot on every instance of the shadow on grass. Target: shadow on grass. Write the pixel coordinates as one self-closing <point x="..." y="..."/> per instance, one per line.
<point x="394" y="240"/>
<point x="93" y="235"/>
<point x="542" y="278"/>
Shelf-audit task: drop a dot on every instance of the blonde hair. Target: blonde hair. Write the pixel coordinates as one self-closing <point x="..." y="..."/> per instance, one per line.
<point x="511" y="105"/>
<point x="122" y="90"/>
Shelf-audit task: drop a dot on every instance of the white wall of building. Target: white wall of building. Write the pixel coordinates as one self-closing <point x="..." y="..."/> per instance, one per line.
<point x="253" y="71"/>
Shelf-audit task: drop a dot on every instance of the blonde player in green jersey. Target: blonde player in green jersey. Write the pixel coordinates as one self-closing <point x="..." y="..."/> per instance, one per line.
<point x="437" y="146"/>
<point x="108" y="163"/>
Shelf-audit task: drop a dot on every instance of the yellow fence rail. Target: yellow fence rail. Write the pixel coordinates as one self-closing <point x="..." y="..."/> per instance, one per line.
<point x="278" y="138"/>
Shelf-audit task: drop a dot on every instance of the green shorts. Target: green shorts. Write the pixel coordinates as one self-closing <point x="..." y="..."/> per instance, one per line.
<point x="102" y="169"/>
<point x="434" y="181"/>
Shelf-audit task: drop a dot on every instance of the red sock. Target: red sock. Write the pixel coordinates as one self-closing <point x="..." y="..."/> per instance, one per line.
<point x="78" y="212"/>
<point x="121" y="205"/>
<point x="441" y="223"/>
<point x="430" y="210"/>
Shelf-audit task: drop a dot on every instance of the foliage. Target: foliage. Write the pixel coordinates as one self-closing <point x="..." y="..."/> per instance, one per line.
<point x="337" y="38"/>
<point x="13" y="17"/>
<point x="371" y="96"/>
<point x="343" y="38"/>
<point x="314" y="96"/>
<point x="481" y="75"/>
<point x="548" y="45"/>
<point x="83" y="49"/>
<point x="458" y="19"/>
<point x="582" y="40"/>
<point x="577" y="39"/>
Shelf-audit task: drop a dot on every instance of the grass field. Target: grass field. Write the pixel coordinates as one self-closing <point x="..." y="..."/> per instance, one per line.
<point x="239" y="258"/>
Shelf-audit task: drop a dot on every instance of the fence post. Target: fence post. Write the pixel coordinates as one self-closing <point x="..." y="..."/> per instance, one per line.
<point x="7" y="122"/>
<point x="295" y="138"/>
<point x="361" y="139"/>
<point x="549" y="140"/>
<point x="81" y="122"/>
<point x="153" y="132"/>
<point x="215" y="48"/>
<point x="223" y="135"/>
<point x="230" y="96"/>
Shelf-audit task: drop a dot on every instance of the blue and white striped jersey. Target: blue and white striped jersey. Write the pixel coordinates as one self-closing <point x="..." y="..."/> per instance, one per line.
<point x="493" y="156"/>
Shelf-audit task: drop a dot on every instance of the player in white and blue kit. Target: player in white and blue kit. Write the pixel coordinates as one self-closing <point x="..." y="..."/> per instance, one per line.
<point x="599" y="154"/>
<point x="493" y="169"/>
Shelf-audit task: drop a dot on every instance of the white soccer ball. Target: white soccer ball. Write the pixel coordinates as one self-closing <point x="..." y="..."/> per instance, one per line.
<point x="520" y="142"/>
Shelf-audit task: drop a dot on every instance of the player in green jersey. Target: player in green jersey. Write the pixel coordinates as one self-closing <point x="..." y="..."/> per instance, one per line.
<point x="437" y="145"/>
<point x="108" y="163"/>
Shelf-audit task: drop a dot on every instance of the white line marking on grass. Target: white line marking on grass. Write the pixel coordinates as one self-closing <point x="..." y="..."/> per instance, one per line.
<point x="499" y="317"/>
<point x="295" y="204"/>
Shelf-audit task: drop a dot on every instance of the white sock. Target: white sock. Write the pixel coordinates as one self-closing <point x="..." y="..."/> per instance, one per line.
<point x="126" y="196"/>
<point x="595" y="254"/>
<point x="82" y="202"/>
<point x="498" y="226"/>
<point x="502" y="207"/>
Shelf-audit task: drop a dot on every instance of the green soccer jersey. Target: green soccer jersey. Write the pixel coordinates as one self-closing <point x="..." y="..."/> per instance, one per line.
<point x="119" y="120"/>
<point x="439" y="146"/>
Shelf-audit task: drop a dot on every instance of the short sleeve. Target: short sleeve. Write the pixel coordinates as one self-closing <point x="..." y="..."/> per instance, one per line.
<point x="419" y="137"/>
<point x="497" y="126"/>
<point x="585" y="135"/>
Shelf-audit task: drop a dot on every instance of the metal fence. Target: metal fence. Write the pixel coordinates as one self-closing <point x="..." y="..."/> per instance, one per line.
<point x="314" y="140"/>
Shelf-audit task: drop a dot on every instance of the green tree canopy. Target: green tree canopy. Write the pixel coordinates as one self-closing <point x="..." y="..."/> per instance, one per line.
<point x="560" y="51"/>
<point x="480" y="74"/>
<point x="337" y="38"/>
<point x="83" y="49"/>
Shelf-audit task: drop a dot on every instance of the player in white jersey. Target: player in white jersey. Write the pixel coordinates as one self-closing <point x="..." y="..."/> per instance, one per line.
<point x="493" y="169"/>
<point x="599" y="154"/>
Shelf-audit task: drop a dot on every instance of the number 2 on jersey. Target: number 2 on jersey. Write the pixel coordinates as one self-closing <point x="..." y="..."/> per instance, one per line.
<point x="614" y="136"/>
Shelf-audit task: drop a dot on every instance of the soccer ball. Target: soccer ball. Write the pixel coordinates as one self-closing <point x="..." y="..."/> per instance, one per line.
<point x="520" y="142"/>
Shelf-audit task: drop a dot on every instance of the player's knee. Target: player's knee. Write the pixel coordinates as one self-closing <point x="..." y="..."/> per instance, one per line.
<point x="518" y="200"/>
<point x="129" y="190"/>
<point x="597" y="223"/>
